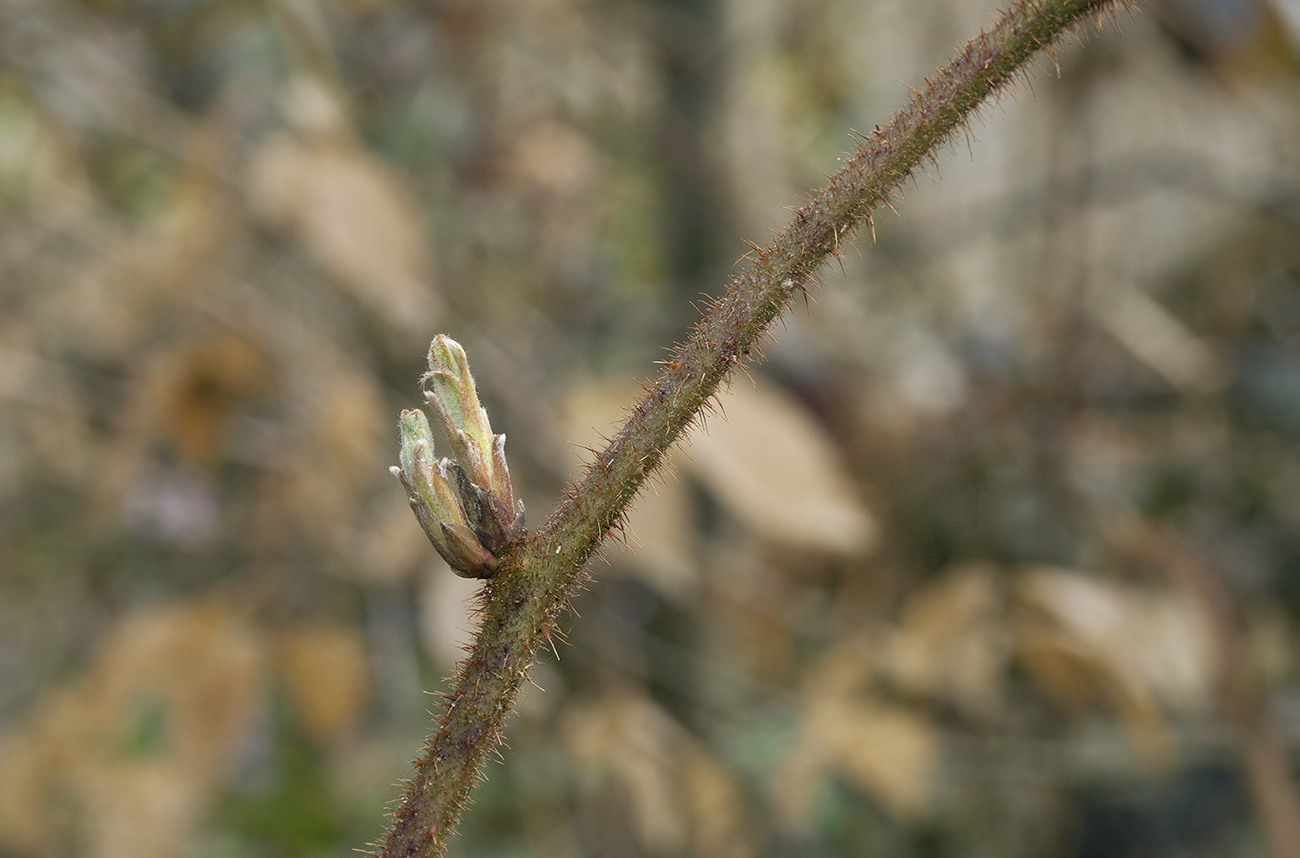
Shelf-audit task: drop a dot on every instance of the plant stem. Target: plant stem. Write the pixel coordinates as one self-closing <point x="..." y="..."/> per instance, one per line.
<point x="520" y="605"/>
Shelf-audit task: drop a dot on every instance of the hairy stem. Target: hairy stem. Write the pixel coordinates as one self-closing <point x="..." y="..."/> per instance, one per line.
<point x="520" y="605"/>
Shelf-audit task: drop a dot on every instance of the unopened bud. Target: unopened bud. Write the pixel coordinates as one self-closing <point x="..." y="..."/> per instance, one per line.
<point x="466" y="506"/>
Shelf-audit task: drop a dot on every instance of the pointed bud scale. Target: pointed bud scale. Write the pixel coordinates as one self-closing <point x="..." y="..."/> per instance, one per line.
<point x="436" y="504"/>
<point x="413" y="427"/>
<point x="454" y="397"/>
<point x="465" y="555"/>
<point x="422" y="470"/>
<point x="501" y="473"/>
<point x="456" y="392"/>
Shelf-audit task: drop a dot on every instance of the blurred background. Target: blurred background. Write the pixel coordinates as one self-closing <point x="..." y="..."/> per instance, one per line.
<point x="997" y="554"/>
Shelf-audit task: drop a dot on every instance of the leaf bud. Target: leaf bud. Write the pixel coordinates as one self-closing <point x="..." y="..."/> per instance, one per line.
<point x="465" y="504"/>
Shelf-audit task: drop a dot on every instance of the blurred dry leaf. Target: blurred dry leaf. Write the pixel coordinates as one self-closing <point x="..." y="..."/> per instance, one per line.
<point x="446" y="618"/>
<point x="140" y="740"/>
<point x="888" y="751"/>
<point x="33" y="389"/>
<point x="311" y="106"/>
<point x="885" y="750"/>
<point x="38" y="164"/>
<point x="660" y="537"/>
<point x="189" y="396"/>
<point x="353" y="217"/>
<point x="660" y="529"/>
<point x="350" y="430"/>
<point x="683" y="801"/>
<point x="196" y="390"/>
<point x="327" y="671"/>
<point x="555" y="158"/>
<point x="343" y="447"/>
<point x="778" y="471"/>
<point x="116" y="299"/>
<point x="386" y="548"/>
<point x="1159" y="339"/>
<point x="145" y="811"/>
<point x="202" y="661"/>
<point x="949" y="642"/>
<point x="1147" y="652"/>
<point x="764" y="457"/>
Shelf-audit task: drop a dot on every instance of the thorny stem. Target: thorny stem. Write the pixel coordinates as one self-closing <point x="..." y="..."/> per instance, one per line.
<point x="520" y="605"/>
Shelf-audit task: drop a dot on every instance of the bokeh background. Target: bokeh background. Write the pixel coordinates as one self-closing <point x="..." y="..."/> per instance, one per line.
<point x="997" y="554"/>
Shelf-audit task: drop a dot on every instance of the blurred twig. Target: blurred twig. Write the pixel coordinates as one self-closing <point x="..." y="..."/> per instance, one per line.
<point x="520" y="606"/>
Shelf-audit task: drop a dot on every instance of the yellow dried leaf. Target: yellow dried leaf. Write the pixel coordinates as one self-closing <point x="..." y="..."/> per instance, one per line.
<point x="344" y="449"/>
<point x="198" y="388"/>
<point x="140" y="741"/>
<point x="1146" y="652"/>
<point x="949" y="642"/>
<point x="353" y="217"/>
<point x="659" y="528"/>
<point x="778" y="471"/>
<point x="682" y="801"/>
<point x="327" y="673"/>
<point x="887" y="751"/>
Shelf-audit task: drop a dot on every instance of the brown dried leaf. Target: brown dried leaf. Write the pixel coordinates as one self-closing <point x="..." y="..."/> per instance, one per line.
<point x="353" y="217"/>
<point x="949" y="642"/>
<point x="778" y="471"/>
<point x="327" y="671"/>
<point x="197" y="389"/>
<point x="659" y="528"/>
<point x="446" y="610"/>
<point x="344" y="447"/>
<point x="888" y="751"/>
<point x="683" y="802"/>
<point x="1147" y="652"/>
<point x="192" y="675"/>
